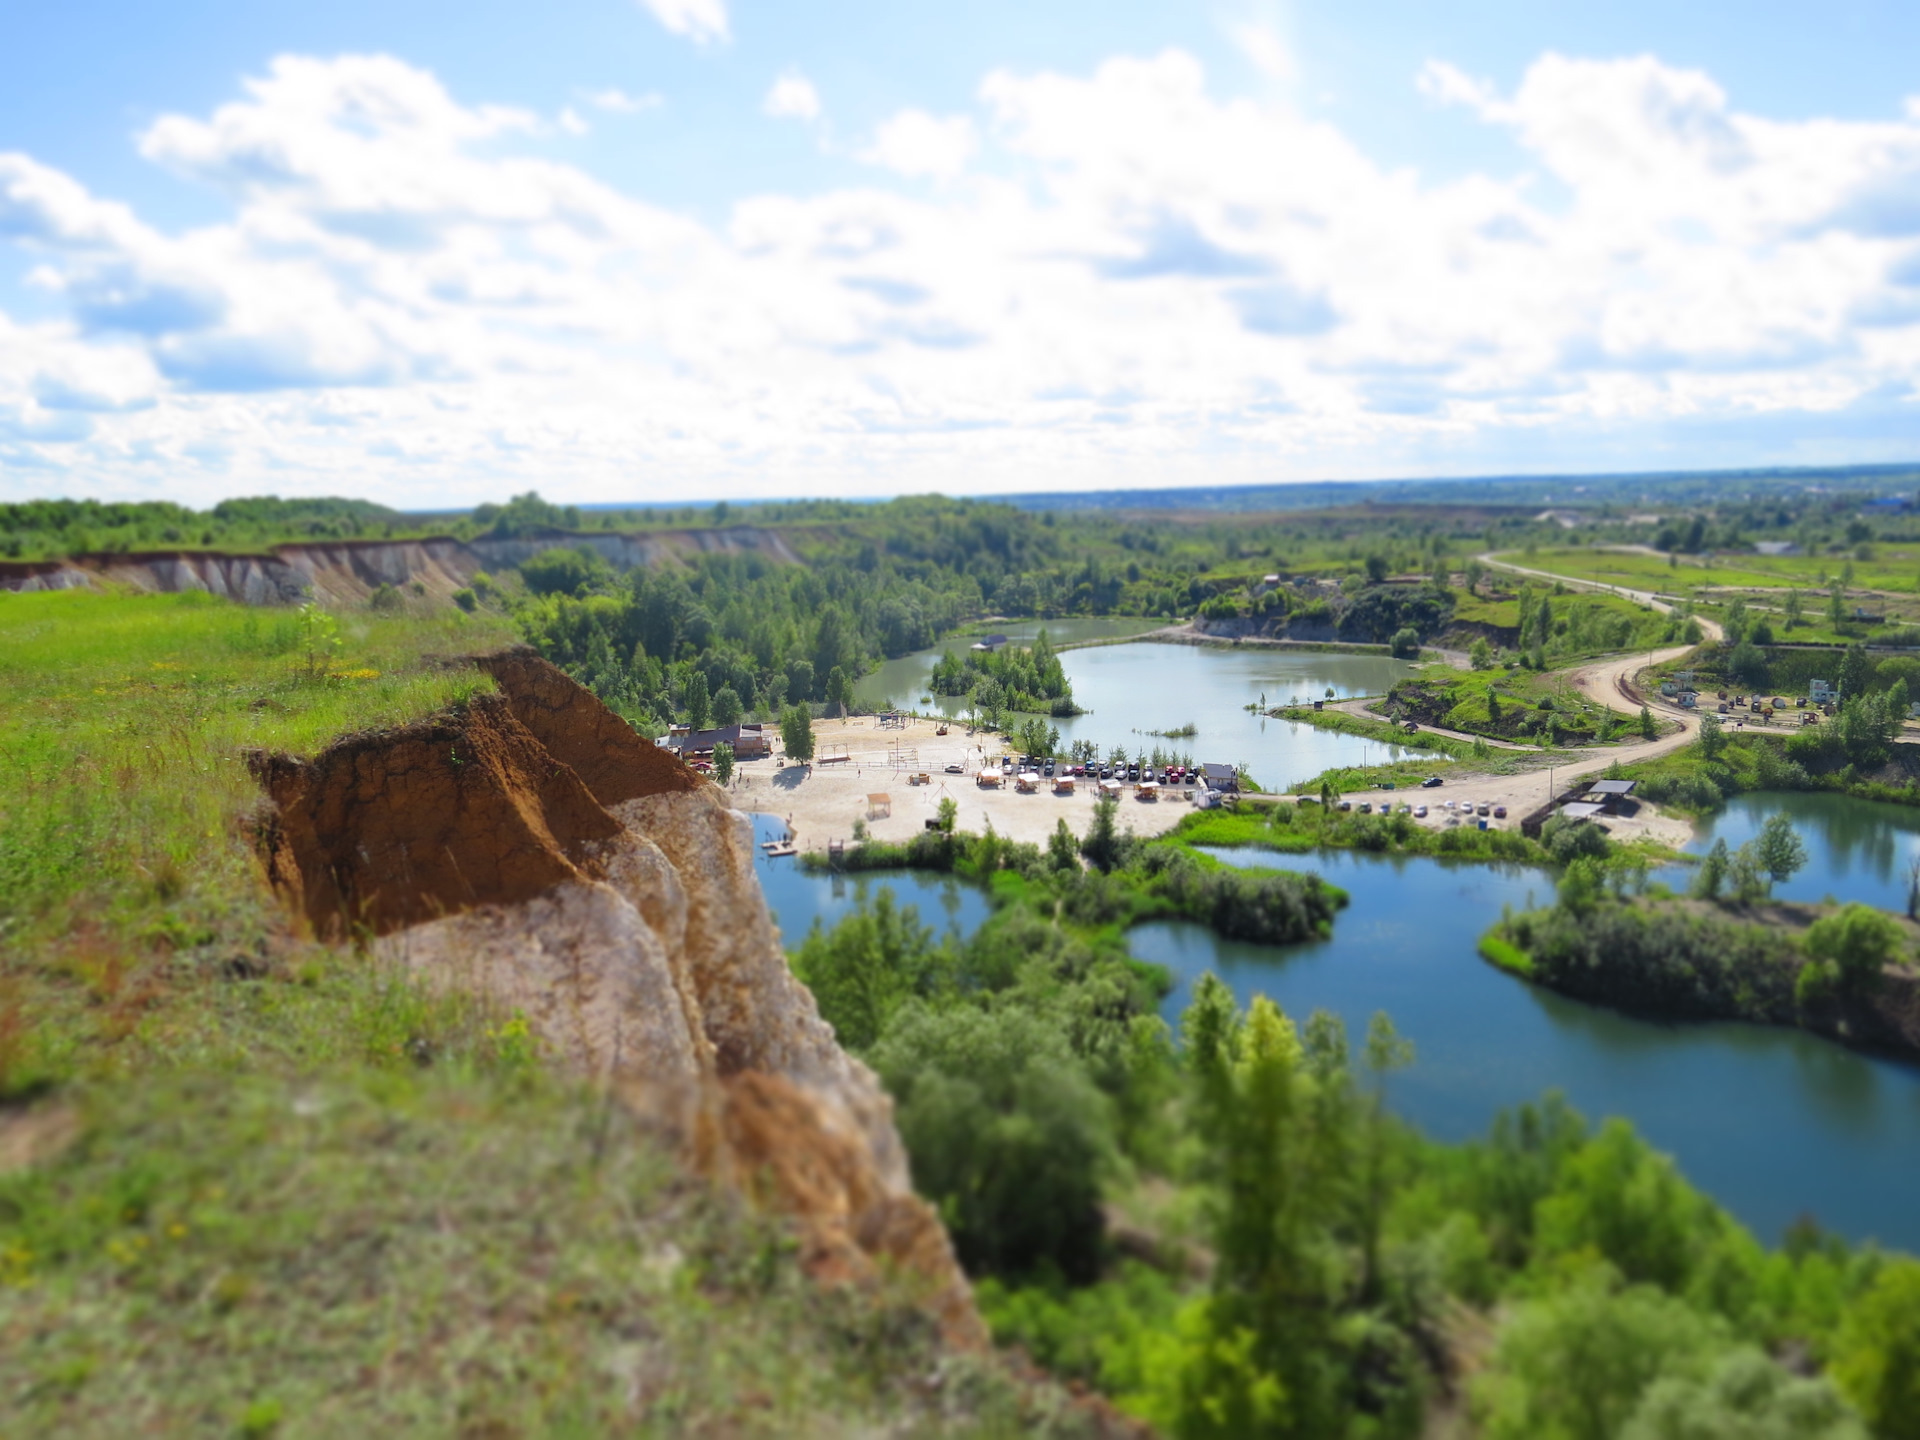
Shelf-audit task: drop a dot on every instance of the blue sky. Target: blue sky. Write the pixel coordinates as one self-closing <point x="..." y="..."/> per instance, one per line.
<point x="654" y="249"/>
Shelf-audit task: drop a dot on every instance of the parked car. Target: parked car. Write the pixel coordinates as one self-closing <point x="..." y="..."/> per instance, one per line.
<point x="1431" y="781"/>
<point x="1366" y="807"/>
<point x="1499" y="812"/>
<point x="1419" y="812"/>
<point x="956" y="769"/>
<point x="1483" y="808"/>
<point x="1346" y="805"/>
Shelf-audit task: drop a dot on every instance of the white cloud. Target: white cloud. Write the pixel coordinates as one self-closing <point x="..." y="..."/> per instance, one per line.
<point x="701" y="21"/>
<point x="792" y="98"/>
<point x="1268" y="53"/>
<point x="570" y="121"/>
<point x="1141" y="280"/>
<point x="920" y="145"/>
<point x="620" y="102"/>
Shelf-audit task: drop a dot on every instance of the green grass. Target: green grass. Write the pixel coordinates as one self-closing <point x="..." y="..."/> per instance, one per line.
<point x="123" y="719"/>
<point x="1506" y="955"/>
<point x="133" y="911"/>
<point x="429" y="1254"/>
<point x="1893" y="568"/>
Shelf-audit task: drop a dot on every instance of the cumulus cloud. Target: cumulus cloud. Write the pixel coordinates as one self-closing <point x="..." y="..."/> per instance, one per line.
<point x="792" y="98"/>
<point x="919" y="145"/>
<point x="620" y="102"/>
<point x="1122" y="275"/>
<point x="701" y="21"/>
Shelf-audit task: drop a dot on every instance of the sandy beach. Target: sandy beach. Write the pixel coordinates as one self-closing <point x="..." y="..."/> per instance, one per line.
<point x="821" y="802"/>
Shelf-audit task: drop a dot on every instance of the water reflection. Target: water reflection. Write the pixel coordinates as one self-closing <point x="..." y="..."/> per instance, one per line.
<point x="1856" y="849"/>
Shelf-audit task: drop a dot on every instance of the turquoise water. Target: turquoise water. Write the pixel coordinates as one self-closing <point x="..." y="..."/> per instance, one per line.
<point x="1856" y="849"/>
<point x="1775" y="1124"/>
<point x="1130" y="690"/>
<point x="799" y="897"/>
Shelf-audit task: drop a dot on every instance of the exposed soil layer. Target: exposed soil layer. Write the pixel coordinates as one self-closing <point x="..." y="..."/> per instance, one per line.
<point x="391" y="828"/>
<point x="602" y="749"/>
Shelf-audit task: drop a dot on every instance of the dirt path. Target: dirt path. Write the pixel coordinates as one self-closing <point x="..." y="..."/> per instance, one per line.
<point x="1607" y="682"/>
<point x="1359" y="707"/>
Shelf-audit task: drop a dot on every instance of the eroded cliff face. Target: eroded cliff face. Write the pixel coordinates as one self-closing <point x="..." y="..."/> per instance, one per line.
<point x="346" y="572"/>
<point x="532" y="849"/>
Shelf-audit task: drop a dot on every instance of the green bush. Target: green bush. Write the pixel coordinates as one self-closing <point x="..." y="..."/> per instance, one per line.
<point x="1009" y="1136"/>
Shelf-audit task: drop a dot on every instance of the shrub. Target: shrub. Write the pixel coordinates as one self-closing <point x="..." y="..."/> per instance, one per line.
<point x="1858" y="939"/>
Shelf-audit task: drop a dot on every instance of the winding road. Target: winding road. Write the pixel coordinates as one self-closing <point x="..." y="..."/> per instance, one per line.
<point x="1606" y="682"/>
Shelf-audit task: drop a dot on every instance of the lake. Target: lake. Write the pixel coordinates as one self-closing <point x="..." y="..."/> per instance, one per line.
<point x="1773" y="1123"/>
<point x="1132" y="689"/>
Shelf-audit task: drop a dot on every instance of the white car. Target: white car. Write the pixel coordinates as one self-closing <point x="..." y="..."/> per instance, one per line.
<point x="1419" y="812"/>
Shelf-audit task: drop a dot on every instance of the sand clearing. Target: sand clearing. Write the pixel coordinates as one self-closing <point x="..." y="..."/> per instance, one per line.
<point x="824" y="801"/>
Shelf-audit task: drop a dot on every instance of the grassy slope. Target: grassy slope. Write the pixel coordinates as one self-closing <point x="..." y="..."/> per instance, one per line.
<point x="290" y="1194"/>
<point x="425" y="1254"/>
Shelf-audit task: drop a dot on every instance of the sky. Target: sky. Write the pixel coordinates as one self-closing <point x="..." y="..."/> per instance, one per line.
<point x="687" y="250"/>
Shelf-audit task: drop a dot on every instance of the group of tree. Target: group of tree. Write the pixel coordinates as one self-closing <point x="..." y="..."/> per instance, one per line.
<point x="1030" y="680"/>
<point x="1035" y="1083"/>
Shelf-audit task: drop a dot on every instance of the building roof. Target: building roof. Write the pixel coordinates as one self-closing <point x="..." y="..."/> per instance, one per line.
<point x="1220" y="772"/>
<point x="682" y="739"/>
<point x="1582" y="810"/>
<point x="1612" y="787"/>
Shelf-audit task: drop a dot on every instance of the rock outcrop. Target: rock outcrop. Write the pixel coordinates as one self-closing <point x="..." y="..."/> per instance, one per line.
<point x="533" y="850"/>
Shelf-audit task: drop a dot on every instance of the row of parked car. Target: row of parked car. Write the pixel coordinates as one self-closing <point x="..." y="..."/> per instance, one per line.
<point x="1466" y="808"/>
<point x="1011" y="764"/>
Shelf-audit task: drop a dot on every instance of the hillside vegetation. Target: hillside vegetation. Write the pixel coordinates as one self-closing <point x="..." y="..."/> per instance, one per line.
<point x="253" y="1184"/>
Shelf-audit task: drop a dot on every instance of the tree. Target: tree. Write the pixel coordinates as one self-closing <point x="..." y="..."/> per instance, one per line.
<point x="319" y="639"/>
<point x="1858" y="939"/>
<point x="948" y="815"/>
<point x="561" y="572"/>
<point x="1102" y="843"/>
<point x="1712" y="874"/>
<point x="1581" y="886"/>
<point x="1876" y="1357"/>
<point x="723" y="762"/>
<point x="1063" y="851"/>
<point x="1406" y="642"/>
<point x="839" y="690"/>
<point x="1713" y="737"/>
<point x="1778" y="849"/>
<point x="1377" y="568"/>
<point x="865" y="968"/>
<point x="1748" y="663"/>
<point x="1836" y="610"/>
<point x="1574" y="1366"/>
<point x="1475" y="572"/>
<point x="1010" y="1139"/>
<point x="1480" y="653"/>
<point x="796" y="733"/>
<point x="1856" y="672"/>
<point x="727" y="708"/>
<point x="699" y="706"/>
<point x="1794" y="607"/>
<point x="1647" y="727"/>
<point x="1748" y="1396"/>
